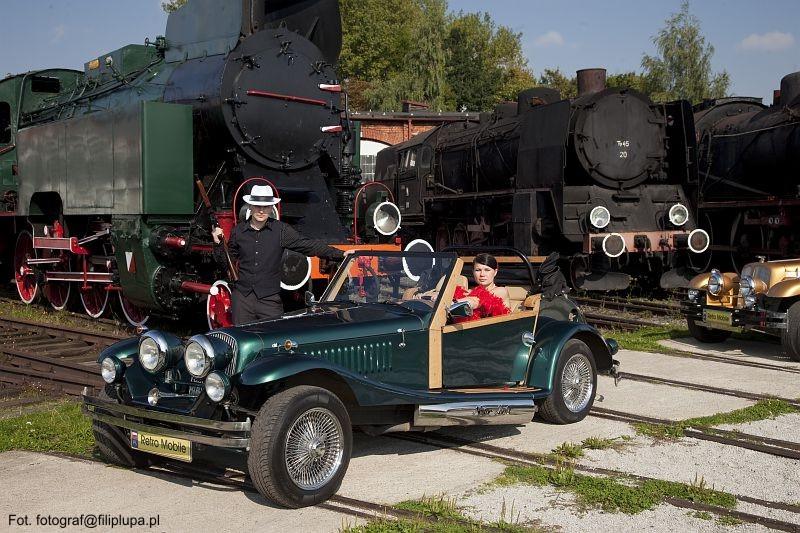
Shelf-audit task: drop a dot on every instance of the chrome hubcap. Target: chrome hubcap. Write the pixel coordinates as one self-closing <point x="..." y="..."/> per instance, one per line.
<point x="314" y="448"/>
<point x="577" y="383"/>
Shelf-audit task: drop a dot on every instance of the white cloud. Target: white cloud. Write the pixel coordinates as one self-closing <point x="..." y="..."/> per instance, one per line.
<point x="772" y="41"/>
<point x="551" y="38"/>
<point x="58" y="33"/>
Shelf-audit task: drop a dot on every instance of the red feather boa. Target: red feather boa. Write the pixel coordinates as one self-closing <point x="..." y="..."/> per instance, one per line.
<point x="490" y="305"/>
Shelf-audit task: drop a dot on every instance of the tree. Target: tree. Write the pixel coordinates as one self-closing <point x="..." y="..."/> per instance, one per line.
<point x="485" y="63"/>
<point x="171" y="5"/>
<point x="682" y="68"/>
<point x="553" y="78"/>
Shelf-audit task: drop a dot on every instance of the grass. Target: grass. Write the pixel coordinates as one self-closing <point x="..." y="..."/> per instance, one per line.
<point x="612" y="494"/>
<point x="600" y="443"/>
<point x="646" y="339"/>
<point x="60" y="428"/>
<point x="568" y="450"/>
<point x="438" y="515"/>
<point x="762" y="410"/>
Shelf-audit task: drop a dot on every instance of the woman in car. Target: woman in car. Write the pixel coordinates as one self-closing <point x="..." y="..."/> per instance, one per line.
<point x="486" y="299"/>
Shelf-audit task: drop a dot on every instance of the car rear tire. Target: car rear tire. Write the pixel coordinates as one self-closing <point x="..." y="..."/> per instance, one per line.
<point x="301" y="443"/>
<point x="706" y="335"/>
<point x="574" y="387"/>
<point x="113" y="443"/>
<point x="790" y="337"/>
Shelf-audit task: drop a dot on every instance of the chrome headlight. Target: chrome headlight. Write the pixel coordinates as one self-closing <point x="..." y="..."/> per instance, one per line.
<point x="111" y="369"/>
<point x="156" y="349"/>
<point x="199" y="356"/>
<point x="715" y="282"/>
<point x="599" y="217"/>
<point x="750" y="301"/>
<point x="678" y="214"/>
<point x="747" y="286"/>
<point x="693" y="294"/>
<point x="217" y="386"/>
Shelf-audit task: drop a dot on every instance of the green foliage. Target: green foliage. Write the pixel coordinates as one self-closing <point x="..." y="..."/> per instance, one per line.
<point x="568" y="450"/>
<point x="612" y="494"/>
<point x="682" y="68"/>
<point x="646" y="339"/>
<point x="600" y="443"/>
<point x="60" y="428"/>
<point x="568" y="86"/>
<point x="172" y="5"/>
<point x="762" y="410"/>
<point x="434" y="506"/>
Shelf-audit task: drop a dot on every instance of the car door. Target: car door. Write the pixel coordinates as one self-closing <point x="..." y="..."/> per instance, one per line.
<point x="486" y="352"/>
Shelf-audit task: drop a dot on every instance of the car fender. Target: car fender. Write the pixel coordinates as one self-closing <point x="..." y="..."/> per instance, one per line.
<point x="700" y="281"/>
<point x="122" y="350"/>
<point x="785" y="289"/>
<point x="551" y="339"/>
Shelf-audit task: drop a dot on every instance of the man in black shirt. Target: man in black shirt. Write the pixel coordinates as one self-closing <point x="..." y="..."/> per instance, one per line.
<point x="258" y="244"/>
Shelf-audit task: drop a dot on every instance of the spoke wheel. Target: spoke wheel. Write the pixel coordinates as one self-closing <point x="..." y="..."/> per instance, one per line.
<point x="24" y="277"/>
<point x="135" y="315"/>
<point x="218" y="306"/>
<point x="57" y="292"/>
<point x="95" y="298"/>
<point x="314" y="448"/>
<point x="574" y="385"/>
<point x="301" y="443"/>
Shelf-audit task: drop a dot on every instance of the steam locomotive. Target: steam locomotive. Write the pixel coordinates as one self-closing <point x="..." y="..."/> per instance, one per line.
<point x="98" y="169"/>
<point x="749" y="174"/>
<point x="608" y="180"/>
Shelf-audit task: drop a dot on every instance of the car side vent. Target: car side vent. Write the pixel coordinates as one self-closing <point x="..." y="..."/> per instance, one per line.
<point x="366" y="358"/>
<point x="230" y="341"/>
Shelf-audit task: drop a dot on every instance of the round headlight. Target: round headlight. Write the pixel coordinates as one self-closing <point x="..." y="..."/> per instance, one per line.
<point x="599" y="217"/>
<point x="217" y="386"/>
<point x="715" y="282"/>
<point x="678" y="214"/>
<point x="150" y="354"/>
<point x="693" y="294"/>
<point x="747" y="287"/>
<point x="108" y="369"/>
<point x="197" y="361"/>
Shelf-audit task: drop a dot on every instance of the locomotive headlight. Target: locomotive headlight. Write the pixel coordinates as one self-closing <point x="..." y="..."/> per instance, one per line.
<point x="678" y="214"/>
<point x="747" y="287"/>
<point x="599" y="217"/>
<point x="715" y="282"/>
<point x="217" y="386"/>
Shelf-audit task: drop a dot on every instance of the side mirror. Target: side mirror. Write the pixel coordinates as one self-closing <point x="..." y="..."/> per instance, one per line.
<point x="460" y="310"/>
<point x="309" y="298"/>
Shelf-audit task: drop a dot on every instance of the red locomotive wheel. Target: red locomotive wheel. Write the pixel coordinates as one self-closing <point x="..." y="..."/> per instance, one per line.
<point x="57" y="292"/>
<point x="218" y="306"/>
<point x="24" y="278"/>
<point x="135" y="315"/>
<point x="95" y="298"/>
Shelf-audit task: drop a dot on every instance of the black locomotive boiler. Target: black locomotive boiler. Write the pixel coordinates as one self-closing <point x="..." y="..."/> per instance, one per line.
<point x="749" y="174"/>
<point x="607" y="179"/>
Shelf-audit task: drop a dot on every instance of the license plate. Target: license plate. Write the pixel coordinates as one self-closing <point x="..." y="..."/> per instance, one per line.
<point x="722" y="318"/>
<point x="180" y="449"/>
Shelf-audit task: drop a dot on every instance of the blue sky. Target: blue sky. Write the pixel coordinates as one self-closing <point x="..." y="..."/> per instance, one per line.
<point x="757" y="42"/>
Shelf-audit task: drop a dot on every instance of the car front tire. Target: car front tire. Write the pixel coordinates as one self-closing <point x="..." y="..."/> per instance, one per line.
<point x="113" y="443"/>
<point x="706" y="335"/>
<point x="301" y="443"/>
<point x="790" y="337"/>
<point x="574" y="387"/>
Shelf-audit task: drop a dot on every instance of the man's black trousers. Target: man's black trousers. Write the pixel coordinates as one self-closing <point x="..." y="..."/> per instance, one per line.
<point x="250" y="308"/>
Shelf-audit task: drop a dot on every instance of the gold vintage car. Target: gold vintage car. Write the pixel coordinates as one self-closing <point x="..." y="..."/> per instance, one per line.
<point x="764" y="298"/>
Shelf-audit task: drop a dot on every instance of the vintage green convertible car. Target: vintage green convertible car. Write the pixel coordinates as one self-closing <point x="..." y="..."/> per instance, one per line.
<point x="378" y="352"/>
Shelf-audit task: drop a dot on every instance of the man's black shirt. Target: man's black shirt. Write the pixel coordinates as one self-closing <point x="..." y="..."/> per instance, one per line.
<point x="260" y="252"/>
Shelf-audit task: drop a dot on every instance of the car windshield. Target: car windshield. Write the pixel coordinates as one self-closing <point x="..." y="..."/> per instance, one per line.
<point x="411" y="279"/>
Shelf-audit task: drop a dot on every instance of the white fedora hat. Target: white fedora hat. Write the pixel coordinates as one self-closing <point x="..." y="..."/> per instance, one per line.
<point x="261" y="195"/>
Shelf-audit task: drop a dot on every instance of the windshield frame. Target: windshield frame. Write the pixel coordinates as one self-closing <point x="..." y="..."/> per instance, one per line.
<point x="342" y="273"/>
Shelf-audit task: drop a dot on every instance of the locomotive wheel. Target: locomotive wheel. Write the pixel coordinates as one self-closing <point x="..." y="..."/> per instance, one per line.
<point x="218" y="306"/>
<point x="27" y="286"/>
<point x="745" y="241"/>
<point x="95" y="298"/>
<point x="58" y="292"/>
<point x="135" y="315"/>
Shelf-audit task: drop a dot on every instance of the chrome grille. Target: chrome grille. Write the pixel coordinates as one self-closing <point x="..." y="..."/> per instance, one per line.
<point x="230" y="341"/>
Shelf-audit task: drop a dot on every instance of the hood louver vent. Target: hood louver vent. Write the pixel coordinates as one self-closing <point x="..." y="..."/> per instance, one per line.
<point x="361" y="358"/>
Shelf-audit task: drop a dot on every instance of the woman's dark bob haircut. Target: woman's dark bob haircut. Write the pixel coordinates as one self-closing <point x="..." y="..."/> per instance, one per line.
<point x="486" y="259"/>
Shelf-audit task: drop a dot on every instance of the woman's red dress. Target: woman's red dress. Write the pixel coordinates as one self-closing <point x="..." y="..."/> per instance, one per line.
<point x="490" y="305"/>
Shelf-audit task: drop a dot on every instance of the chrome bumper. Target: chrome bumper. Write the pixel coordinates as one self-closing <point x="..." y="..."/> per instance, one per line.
<point x="193" y="429"/>
<point x="505" y="412"/>
<point x="740" y="318"/>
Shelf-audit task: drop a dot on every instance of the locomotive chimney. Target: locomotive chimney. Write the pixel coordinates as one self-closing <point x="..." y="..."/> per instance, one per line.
<point x="790" y="88"/>
<point x="591" y="80"/>
<point x="776" y="97"/>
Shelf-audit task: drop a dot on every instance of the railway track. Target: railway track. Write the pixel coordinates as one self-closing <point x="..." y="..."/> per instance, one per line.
<point x="776" y="447"/>
<point x="515" y="457"/>
<point x="55" y="357"/>
<point x="657" y="308"/>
